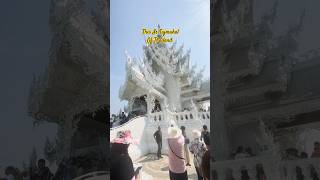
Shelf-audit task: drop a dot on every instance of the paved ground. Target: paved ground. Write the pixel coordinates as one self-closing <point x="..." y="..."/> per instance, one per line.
<point x="154" y="169"/>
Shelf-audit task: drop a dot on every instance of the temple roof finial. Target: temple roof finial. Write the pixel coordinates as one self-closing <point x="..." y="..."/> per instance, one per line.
<point x="159" y="34"/>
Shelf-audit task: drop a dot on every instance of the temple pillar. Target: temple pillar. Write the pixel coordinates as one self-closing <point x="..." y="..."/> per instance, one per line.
<point x="220" y="141"/>
<point x="149" y="100"/>
<point x="130" y="103"/>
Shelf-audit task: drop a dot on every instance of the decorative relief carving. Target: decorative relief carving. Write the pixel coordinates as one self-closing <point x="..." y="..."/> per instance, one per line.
<point x="256" y="57"/>
<point x="266" y="141"/>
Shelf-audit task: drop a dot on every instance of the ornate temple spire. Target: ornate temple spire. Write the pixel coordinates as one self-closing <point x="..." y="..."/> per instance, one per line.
<point x="159" y="34"/>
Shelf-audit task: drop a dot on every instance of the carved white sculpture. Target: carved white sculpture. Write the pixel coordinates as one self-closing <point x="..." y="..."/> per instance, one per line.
<point x="267" y="144"/>
<point x="163" y="72"/>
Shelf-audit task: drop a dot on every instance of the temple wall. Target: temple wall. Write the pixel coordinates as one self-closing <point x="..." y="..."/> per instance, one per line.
<point x="138" y="131"/>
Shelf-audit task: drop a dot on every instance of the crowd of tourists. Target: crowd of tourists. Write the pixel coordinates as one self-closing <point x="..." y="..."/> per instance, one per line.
<point x="117" y="120"/>
<point x="121" y="118"/>
<point x="180" y="147"/>
<point x="40" y="172"/>
<point x="293" y="153"/>
<point x="288" y="154"/>
<point x="242" y="152"/>
<point x="67" y="169"/>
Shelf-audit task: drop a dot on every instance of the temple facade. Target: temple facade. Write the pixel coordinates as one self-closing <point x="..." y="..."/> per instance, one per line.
<point x="265" y="97"/>
<point x="72" y="91"/>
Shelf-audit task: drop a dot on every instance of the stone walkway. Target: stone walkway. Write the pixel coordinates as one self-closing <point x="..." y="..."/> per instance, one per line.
<point x="154" y="169"/>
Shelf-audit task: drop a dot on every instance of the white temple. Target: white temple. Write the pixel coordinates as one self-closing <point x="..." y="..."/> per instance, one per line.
<point x="162" y="90"/>
<point x="265" y="96"/>
<point x="72" y="90"/>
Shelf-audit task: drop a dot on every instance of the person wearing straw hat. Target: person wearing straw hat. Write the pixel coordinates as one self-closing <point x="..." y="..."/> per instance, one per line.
<point x="197" y="148"/>
<point x="177" y="167"/>
<point x="121" y="164"/>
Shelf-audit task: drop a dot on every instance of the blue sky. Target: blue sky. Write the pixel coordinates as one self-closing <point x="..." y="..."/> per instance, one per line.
<point x="24" y="46"/>
<point x="127" y="18"/>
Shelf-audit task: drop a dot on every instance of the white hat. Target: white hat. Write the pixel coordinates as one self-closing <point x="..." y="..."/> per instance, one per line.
<point x="196" y="134"/>
<point x="174" y="132"/>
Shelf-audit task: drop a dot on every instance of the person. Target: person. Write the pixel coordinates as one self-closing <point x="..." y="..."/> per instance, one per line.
<point x="260" y="172"/>
<point x="9" y="173"/>
<point x="43" y="172"/>
<point x="186" y="149"/>
<point x="292" y="154"/>
<point x="313" y="173"/>
<point x="158" y="137"/>
<point x="249" y="152"/>
<point x="197" y="148"/>
<point x="121" y="163"/>
<point x="240" y="153"/>
<point x="205" y="164"/>
<point x="316" y="150"/>
<point x="303" y="155"/>
<point x="122" y="118"/>
<point x="205" y="133"/>
<point x="177" y="167"/>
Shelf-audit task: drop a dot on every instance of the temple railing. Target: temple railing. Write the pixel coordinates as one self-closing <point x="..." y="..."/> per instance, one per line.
<point x="184" y="116"/>
<point x="267" y="169"/>
<point x="179" y="116"/>
<point x="309" y="169"/>
<point x="157" y="116"/>
<point x="166" y="116"/>
<point x="204" y="115"/>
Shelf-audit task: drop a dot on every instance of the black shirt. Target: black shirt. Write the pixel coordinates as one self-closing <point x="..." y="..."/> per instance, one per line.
<point x="205" y="136"/>
<point x="121" y="163"/>
<point x="158" y="136"/>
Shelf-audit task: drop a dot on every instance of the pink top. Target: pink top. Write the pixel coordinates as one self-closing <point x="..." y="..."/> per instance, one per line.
<point x="176" y="164"/>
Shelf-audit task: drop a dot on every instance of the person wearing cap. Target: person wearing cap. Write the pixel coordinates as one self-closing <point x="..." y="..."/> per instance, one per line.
<point x="197" y="148"/>
<point x="121" y="164"/>
<point x="177" y="167"/>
